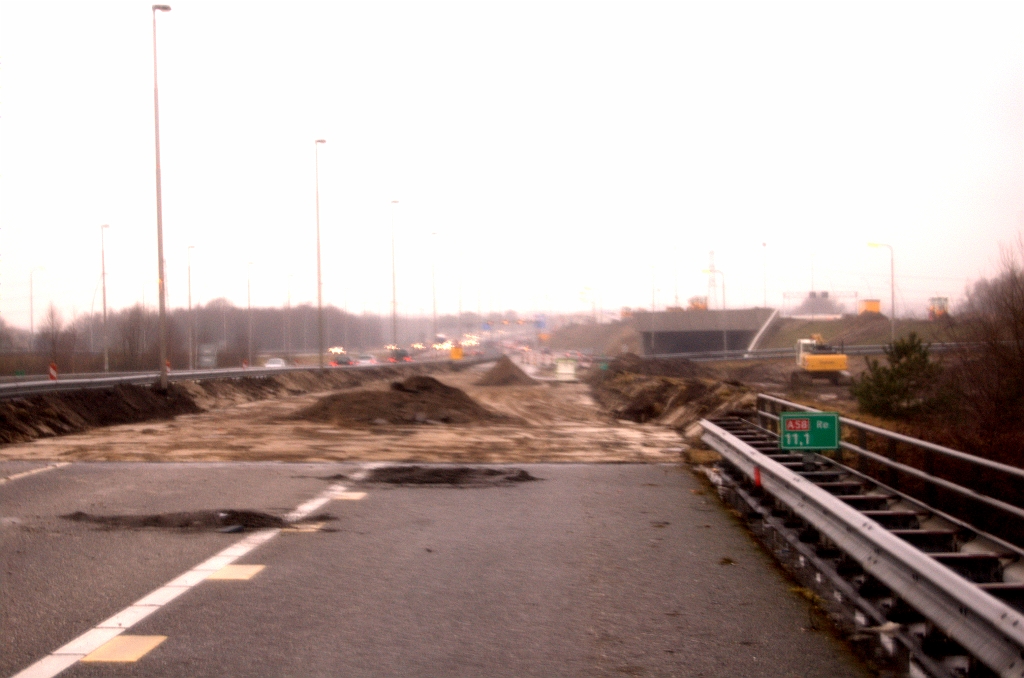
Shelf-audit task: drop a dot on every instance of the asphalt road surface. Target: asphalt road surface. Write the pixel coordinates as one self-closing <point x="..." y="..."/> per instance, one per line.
<point x="595" y="570"/>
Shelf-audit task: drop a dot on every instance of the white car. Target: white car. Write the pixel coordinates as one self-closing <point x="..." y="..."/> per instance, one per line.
<point x="366" y="360"/>
<point x="275" y="363"/>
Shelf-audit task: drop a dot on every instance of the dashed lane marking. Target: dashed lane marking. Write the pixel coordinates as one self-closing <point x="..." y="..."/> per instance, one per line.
<point x="352" y="496"/>
<point x="124" y="649"/>
<point x="95" y="638"/>
<point x="236" y="572"/>
<point x="41" y="469"/>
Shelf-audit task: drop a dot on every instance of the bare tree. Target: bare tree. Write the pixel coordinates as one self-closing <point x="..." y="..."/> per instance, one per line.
<point x="131" y="337"/>
<point x="989" y="380"/>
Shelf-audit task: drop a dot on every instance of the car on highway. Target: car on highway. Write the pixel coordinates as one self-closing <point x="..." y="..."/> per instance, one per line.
<point x="341" y="361"/>
<point x="399" y="355"/>
<point x="275" y="363"/>
<point x="366" y="360"/>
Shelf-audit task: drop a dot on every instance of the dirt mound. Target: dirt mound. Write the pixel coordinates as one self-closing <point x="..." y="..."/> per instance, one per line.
<point x="52" y="414"/>
<point x="506" y="373"/>
<point x="417" y="400"/>
<point x="60" y="413"/>
<point x="185" y="520"/>
<point x="448" y="475"/>
<point x="660" y="367"/>
<point x="668" y="400"/>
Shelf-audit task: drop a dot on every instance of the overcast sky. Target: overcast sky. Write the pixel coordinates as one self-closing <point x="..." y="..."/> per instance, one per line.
<point x="544" y="155"/>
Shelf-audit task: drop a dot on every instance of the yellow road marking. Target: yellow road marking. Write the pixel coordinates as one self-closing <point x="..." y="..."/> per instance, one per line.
<point x="124" y="649"/>
<point x="353" y="496"/>
<point x="236" y="572"/>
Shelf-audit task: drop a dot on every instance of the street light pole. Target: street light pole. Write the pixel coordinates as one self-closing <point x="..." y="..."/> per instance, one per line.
<point x="191" y="323"/>
<point x="394" y="287"/>
<point x="159" y="211"/>
<point x="319" y="279"/>
<point x="764" y="264"/>
<point x="715" y="271"/>
<point x="31" y="314"/>
<point x="248" y="303"/>
<point x="103" y="274"/>
<point x="892" y="289"/>
<point x="288" y="322"/>
<point x="433" y="282"/>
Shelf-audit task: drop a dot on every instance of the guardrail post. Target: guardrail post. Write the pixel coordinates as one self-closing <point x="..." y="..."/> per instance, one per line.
<point x="929" y="468"/>
<point x="894" y="475"/>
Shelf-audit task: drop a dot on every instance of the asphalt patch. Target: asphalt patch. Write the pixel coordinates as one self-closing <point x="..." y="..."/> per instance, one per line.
<point x="195" y="521"/>
<point x="465" y="476"/>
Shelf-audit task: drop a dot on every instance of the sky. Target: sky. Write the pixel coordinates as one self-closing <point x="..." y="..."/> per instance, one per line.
<point x="545" y="156"/>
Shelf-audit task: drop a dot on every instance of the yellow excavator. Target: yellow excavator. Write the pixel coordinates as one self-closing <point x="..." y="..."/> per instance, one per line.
<point x="817" y="360"/>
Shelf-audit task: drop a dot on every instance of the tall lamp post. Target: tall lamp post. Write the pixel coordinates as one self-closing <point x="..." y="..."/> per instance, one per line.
<point x="715" y="271"/>
<point x="248" y="304"/>
<point x="103" y="275"/>
<point x="892" y="289"/>
<point x="433" y="283"/>
<point x="288" y="322"/>
<point x="31" y="310"/>
<point x="764" y="264"/>
<point x="159" y="211"/>
<point x="191" y="323"/>
<point x="319" y="280"/>
<point x="394" y="286"/>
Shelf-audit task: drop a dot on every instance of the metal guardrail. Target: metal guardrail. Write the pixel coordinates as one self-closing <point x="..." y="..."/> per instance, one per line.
<point x="988" y="628"/>
<point x="769" y="408"/>
<point x="777" y="353"/>
<point x="27" y="388"/>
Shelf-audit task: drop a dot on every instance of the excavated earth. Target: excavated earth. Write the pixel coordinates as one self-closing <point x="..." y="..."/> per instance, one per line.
<point x="259" y="420"/>
<point x="635" y="410"/>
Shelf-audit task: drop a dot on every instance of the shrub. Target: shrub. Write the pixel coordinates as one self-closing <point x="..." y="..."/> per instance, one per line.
<point x="904" y="388"/>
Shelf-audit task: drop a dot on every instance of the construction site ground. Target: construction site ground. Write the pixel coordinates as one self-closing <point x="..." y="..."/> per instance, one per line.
<point x="551" y="422"/>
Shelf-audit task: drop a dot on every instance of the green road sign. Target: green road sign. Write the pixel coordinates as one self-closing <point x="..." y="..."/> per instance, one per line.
<point x="809" y="430"/>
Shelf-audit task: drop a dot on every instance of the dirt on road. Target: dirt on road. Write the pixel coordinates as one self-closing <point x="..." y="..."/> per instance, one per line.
<point x="541" y="423"/>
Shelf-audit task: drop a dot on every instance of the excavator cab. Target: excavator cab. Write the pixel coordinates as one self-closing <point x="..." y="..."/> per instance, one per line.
<point x="815" y="358"/>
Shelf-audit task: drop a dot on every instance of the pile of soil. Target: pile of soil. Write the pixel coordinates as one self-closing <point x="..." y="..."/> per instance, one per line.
<point x="448" y="475"/>
<point x="671" y="401"/>
<point x="186" y="520"/>
<point x="60" y="413"/>
<point x="656" y="367"/>
<point x="417" y="400"/>
<point x="506" y="373"/>
<point x="51" y="414"/>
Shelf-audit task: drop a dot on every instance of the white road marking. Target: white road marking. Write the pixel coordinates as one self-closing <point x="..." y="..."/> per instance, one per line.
<point x="163" y="595"/>
<point x="41" y="469"/>
<point x="50" y="666"/>
<point x="128" y="617"/>
<point x="88" y="641"/>
<point x="71" y="653"/>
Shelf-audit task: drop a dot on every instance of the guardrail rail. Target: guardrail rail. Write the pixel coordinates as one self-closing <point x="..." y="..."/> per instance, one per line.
<point x="919" y="590"/>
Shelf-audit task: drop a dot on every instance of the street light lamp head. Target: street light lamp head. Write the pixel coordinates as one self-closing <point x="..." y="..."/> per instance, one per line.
<point x="321" y="141"/>
<point x="161" y="8"/>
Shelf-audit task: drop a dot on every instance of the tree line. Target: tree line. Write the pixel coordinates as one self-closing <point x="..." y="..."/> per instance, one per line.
<point x="132" y="335"/>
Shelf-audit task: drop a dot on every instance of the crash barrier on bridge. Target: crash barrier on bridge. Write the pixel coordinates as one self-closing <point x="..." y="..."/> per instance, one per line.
<point x="779" y="353"/>
<point x="985" y="493"/>
<point x="921" y="592"/>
